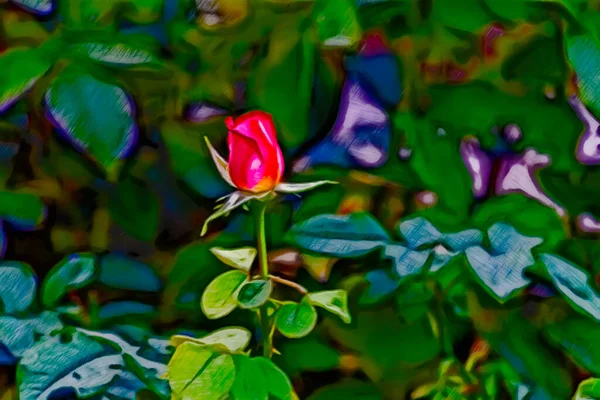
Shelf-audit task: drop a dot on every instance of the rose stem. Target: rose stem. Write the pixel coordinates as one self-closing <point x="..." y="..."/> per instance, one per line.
<point x="264" y="272"/>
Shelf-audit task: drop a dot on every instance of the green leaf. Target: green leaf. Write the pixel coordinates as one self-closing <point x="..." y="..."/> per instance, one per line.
<point x="219" y="297"/>
<point x="104" y="128"/>
<point x="241" y="258"/>
<point x="577" y="335"/>
<point x="21" y="70"/>
<point x="136" y="209"/>
<point x="573" y="283"/>
<point x="233" y="338"/>
<point x="344" y="236"/>
<point x="307" y="354"/>
<point x="199" y="372"/>
<point x="18" y="285"/>
<point x="127" y="273"/>
<point x="296" y="320"/>
<point x="337" y="23"/>
<point x="254" y="293"/>
<point x="22" y="209"/>
<point x="588" y="389"/>
<point x="527" y="216"/>
<point x="123" y="52"/>
<point x="259" y="377"/>
<point x="334" y="301"/>
<point x="72" y="272"/>
<point x="286" y="72"/>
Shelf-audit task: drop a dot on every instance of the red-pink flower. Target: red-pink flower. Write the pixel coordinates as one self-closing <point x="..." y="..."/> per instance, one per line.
<point x="255" y="164"/>
<point x="255" y="159"/>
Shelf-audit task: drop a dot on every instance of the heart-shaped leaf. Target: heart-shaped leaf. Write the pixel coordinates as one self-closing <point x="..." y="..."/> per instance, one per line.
<point x="103" y="128"/>
<point x="233" y="338"/>
<point x="334" y="301"/>
<point x="219" y="297"/>
<point x="18" y="285"/>
<point x="344" y="236"/>
<point x="241" y="258"/>
<point x="199" y="372"/>
<point x="296" y="320"/>
<point x="572" y="282"/>
<point x="254" y="293"/>
<point x="72" y="272"/>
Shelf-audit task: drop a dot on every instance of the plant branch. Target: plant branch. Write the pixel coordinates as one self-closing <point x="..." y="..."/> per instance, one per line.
<point x="291" y="284"/>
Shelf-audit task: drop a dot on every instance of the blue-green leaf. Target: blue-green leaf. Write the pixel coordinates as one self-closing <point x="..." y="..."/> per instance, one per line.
<point x="80" y="364"/>
<point x="125" y="309"/>
<point x="96" y="117"/>
<point x="345" y="236"/>
<point x="502" y="271"/>
<point x="38" y="7"/>
<point x="18" y="285"/>
<point x="72" y="272"/>
<point x="18" y="335"/>
<point x="122" y="272"/>
<point x="572" y="282"/>
<point x="406" y="261"/>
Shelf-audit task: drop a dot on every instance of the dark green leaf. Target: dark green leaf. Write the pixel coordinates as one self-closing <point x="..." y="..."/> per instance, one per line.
<point x="136" y="209"/>
<point x="350" y="235"/>
<point x="577" y="335"/>
<point x="127" y="273"/>
<point x="254" y="293"/>
<point x="348" y="390"/>
<point x="72" y="272"/>
<point x="22" y="68"/>
<point x="103" y="128"/>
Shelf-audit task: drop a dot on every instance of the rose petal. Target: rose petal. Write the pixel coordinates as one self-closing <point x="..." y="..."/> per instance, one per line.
<point x="246" y="167"/>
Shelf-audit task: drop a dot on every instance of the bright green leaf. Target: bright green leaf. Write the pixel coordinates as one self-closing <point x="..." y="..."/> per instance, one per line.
<point x="219" y="297"/>
<point x="296" y="320"/>
<point x="334" y="301"/>
<point x="233" y="338"/>
<point x="199" y="372"/>
<point x="259" y="377"/>
<point x="241" y="258"/>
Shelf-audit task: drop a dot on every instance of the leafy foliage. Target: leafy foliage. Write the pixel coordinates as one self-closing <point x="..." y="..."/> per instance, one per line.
<point x="455" y="258"/>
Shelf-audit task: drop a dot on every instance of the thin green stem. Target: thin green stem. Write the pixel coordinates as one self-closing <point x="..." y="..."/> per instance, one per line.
<point x="261" y="243"/>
